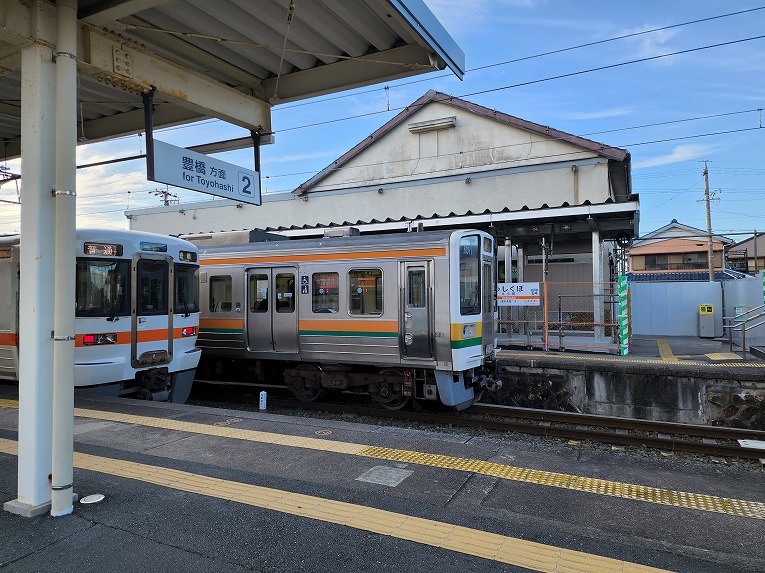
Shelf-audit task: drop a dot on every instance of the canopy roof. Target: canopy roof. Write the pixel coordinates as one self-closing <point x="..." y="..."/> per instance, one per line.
<point x="230" y="59"/>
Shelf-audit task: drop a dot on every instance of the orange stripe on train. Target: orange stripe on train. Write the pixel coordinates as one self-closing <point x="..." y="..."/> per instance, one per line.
<point x="155" y="335"/>
<point x="9" y="339"/>
<point x="350" y="325"/>
<point x="287" y="259"/>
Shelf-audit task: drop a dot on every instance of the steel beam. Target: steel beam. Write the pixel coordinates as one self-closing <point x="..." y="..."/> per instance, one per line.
<point x="349" y="74"/>
<point x="121" y="63"/>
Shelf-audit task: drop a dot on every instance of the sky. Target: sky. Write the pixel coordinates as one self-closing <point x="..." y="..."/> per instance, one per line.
<point x="684" y="88"/>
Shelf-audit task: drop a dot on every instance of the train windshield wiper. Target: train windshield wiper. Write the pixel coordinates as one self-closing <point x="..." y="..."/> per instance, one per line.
<point x="117" y="305"/>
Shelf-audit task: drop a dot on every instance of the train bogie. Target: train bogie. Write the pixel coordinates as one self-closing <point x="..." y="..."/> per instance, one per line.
<point x="399" y="317"/>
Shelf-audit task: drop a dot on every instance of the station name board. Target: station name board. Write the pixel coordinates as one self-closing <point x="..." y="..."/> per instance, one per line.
<point x="518" y="294"/>
<point x="188" y="169"/>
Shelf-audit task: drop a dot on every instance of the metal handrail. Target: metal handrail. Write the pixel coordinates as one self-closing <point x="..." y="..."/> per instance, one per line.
<point x="738" y="316"/>
<point x="739" y="324"/>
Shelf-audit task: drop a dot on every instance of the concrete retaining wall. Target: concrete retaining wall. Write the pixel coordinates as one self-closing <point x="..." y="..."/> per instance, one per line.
<point x="638" y="392"/>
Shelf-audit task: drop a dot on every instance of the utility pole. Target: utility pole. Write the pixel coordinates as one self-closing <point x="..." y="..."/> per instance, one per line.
<point x="710" y="253"/>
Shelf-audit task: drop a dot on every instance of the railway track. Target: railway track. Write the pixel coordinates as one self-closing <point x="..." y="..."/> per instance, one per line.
<point x="664" y="436"/>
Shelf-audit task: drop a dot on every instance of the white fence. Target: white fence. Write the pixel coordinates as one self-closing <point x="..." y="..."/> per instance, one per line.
<point x="672" y="308"/>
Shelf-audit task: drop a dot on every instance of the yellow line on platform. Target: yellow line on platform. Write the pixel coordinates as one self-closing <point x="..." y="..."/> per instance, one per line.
<point x="623" y="360"/>
<point x="469" y="541"/>
<point x="729" y="506"/>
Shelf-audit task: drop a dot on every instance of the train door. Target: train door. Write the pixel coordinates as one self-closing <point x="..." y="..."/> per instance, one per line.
<point x="415" y="328"/>
<point x="272" y="310"/>
<point x="152" y="295"/>
<point x="488" y="295"/>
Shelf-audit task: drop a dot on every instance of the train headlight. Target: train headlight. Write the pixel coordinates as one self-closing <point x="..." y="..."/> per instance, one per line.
<point x="95" y="339"/>
<point x="189" y="331"/>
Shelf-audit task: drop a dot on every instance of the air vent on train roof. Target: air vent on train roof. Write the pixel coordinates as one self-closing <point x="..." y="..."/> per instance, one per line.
<point x="342" y="232"/>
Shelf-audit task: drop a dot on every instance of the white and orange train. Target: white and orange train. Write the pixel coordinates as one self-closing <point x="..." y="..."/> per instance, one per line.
<point x="397" y="316"/>
<point x="136" y="313"/>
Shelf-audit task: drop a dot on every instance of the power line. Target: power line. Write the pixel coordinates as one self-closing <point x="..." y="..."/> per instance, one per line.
<point x="530" y="82"/>
<point x="534" y="56"/>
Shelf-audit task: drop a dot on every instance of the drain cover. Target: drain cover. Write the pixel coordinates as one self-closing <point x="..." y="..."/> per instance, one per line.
<point x="95" y="498"/>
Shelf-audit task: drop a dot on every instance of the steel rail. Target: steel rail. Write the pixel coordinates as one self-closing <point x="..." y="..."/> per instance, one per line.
<point x="715" y="432"/>
<point x="481" y="418"/>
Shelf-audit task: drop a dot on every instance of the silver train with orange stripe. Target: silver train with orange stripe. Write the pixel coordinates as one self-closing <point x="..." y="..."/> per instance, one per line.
<point x="136" y="314"/>
<point x="397" y="316"/>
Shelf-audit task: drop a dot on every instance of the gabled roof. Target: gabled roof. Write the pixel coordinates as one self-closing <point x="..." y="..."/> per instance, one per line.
<point x="432" y="96"/>
<point x="674" y="245"/>
<point x="688" y="232"/>
<point x="749" y="244"/>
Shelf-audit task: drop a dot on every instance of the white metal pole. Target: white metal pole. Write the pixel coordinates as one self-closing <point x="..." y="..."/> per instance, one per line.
<point x="36" y="282"/>
<point x="63" y="320"/>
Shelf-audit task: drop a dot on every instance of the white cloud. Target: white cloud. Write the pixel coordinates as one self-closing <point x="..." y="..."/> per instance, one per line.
<point x="679" y="154"/>
<point x="460" y="17"/>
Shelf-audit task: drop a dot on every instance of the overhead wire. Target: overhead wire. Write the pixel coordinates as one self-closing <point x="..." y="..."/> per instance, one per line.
<point x="591" y="70"/>
<point x="534" y="56"/>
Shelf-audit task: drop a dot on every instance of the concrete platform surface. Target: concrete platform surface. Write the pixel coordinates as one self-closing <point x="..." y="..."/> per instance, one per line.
<point x="198" y="489"/>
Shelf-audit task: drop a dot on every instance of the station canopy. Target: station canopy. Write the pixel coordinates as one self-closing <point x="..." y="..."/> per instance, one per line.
<point x="228" y="59"/>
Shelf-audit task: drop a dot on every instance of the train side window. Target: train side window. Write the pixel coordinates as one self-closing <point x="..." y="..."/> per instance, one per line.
<point x="365" y="288"/>
<point x="415" y="288"/>
<point x="326" y="295"/>
<point x="285" y="292"/>
<point x="186" y="289"/>
<point x="470" y="275"/>
<point x="221" y="293"/>
<point x="258" y="293"/>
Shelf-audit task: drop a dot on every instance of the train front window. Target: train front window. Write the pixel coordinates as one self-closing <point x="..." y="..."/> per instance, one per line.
<point x="152" y="287"/>
<point x="102" y="288"/>
<point x="186" y="289"/>
<point x="470" y="275"/>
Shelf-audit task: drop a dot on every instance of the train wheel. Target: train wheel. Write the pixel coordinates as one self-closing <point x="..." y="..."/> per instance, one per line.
<point x="388" y="397"/>
<point x="305" y="389"/>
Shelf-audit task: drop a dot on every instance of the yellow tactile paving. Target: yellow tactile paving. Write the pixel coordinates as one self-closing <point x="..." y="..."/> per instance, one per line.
<point x="469" y="541"/>
<point x="722" y="356"/>
<point x="687" y="500"/>
<point x="622" y="360"/>
<point x="738" y="507"/>
<point x="665" y="351"/>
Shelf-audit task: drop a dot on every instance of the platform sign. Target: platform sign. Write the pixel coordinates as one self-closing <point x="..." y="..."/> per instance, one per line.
<point x="518" y="294"/>
<point x="191" y="170"/>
